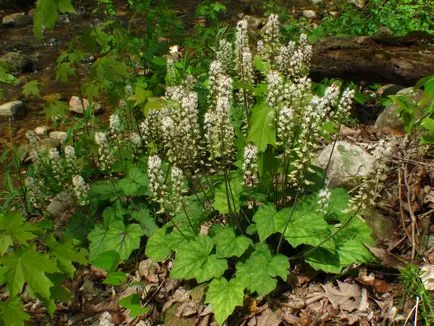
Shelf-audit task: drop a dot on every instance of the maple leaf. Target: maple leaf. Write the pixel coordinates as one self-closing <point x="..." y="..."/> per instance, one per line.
<point x="12" y="312"/>
<point x="28" y="266"/>
<point x="224" y="296"/>
<point x="13" y="228"/>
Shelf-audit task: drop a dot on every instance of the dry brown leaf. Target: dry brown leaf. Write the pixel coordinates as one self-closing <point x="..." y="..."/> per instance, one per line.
<point x="346" y="296"/>
<point x="386" y="258"/>
<point x="268" y="318"/>
<point x="149" y="270"/>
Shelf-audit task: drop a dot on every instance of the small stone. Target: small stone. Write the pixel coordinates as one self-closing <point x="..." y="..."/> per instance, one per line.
<point x="76" y="105"/>
<point x="358" y="3"/>
<point x="41" y="130"/>
<point x="17" y="19"/>
<point x="17" y="62"/>
<point x="60" y="204"/>
<point x="334" y="14"/>
<point x="59" y="135"/>
<point x="347" y="162"/>
<point x="12" y="110"/>
<point x="316" y="2"/>
<point x="309" y="14"/>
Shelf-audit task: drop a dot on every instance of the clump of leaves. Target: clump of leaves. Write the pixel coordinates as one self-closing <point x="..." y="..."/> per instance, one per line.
<point x="26" y="271"/>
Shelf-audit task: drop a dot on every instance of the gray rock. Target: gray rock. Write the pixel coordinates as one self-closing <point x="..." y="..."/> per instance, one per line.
<point x="60" y="204"/>
<point x="334" y="14"/>
<point x="48" y="143"/>
<point x="17" y="62"/>
<point x="12" y="110"/>
<point x="76" y="105"/>
<point x="17" y="19"/>
<point x="316" y="2"/>
<point x="382" y="226"/>
<point x="358" y="3"/>
<point x="58" y="135"/>
<point x="348" y="162"/>
<point x="389" y="118"/>
<point x="309" y="14"/>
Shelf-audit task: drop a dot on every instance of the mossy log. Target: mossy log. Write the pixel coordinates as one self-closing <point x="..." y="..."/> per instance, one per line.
<point x="386" y="59"/>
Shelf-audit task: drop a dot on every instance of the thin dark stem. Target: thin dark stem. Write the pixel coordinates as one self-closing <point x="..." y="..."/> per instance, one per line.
<point x="286" y="224"/>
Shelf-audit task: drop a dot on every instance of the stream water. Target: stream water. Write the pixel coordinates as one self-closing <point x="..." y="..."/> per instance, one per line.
<point x="45" y="52"/>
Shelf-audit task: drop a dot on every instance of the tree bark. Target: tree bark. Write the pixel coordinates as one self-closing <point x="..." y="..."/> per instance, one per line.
<point x="386" y="59"/>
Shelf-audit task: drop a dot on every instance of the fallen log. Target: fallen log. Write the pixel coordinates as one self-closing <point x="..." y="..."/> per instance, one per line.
<point x="400" y="61"/>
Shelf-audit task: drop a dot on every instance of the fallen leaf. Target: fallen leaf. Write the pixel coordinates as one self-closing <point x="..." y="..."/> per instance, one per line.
<point x="386" y="258"/>
<point x="346" y="296"/>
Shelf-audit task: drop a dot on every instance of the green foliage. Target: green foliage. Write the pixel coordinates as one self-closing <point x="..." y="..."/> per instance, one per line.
<point x="119" y="237"/>
<point x="195" y="261"/>
<point x="224" y="296"/>
<point x="132" y="303"/>
<point x="258" y="273"/>
<point x="262" y="129"/>
<point x="47" y="13"/>
<point x="21" y="263"/>
<point x="418" y="117"/>
<point x="31" y="88"/>
<point x="410" y="277"/>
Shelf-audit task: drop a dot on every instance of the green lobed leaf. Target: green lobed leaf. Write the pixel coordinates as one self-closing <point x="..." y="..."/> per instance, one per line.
<point x="14" y="228"/>
<point x="305" y="226"/>
<point x="134" y="306"/>
<point x="12" y="312"/>
<point x="55" y="109"/>
<point x="158" y="248"/>
<point x="224" y="296"/>
<point x="195" y="261"/>
<point x="31" y="88"/>
<point x="264" y="220"/>
<point x="262" y="130"/>
<point x="28" y="266"/>
<point x="107" y="261"/>
<point x="66" y="253"/>
<point x="65" y="6"/>
<point x="119" y="237"/>
<point x="146" y="221"/>
<point x="115" y="278"/>
<point x="258" y="272"/>
<point x="221" y="196"/>
<point x="227" y="244"/>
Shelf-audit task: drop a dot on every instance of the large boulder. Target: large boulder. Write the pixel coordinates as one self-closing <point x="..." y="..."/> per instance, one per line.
<point x="389" y="118"/>
<point x="347" y="162"/>
<point x="12" y="110"/>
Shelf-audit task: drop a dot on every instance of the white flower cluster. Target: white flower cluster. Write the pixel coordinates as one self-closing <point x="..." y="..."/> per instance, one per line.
<point x="314" y="115"/>
<point x="224" y="55"/>
<point x="115" y="124"/>
<point x="286" y="128"/>
<point x="34" y="142"/>
<point x="292" y="60"/>
<point x="156" y="179"/>
<point x="136" y="142"/>
<point x="180" y="129"/>
<point x="373" y="182"/>
<point x="323" y="201"/>
<point x="56" y="166"/>
<point x="35" y="195"/>
<point x="250" y="166"/>
<point x="175" y="197"/>
<point x="219" y="132"/>
<point x="81" y="188"/>
<point x="105" y="157"/>
<point x="268" y="47"/>
<point x="275" y="90"/>
<point x="343" y="110"/>
<point x="71" y="159"/>
<point x="171" y="72"/>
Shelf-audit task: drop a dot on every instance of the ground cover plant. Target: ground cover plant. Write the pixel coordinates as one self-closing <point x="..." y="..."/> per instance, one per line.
<point x="206" y="165"/>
